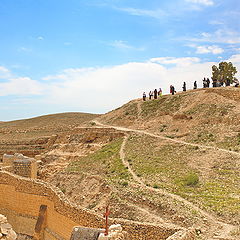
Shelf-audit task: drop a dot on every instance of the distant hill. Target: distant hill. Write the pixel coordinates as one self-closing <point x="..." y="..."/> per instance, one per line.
<point x="44" y="125"/>
<point x="30" y="136"/>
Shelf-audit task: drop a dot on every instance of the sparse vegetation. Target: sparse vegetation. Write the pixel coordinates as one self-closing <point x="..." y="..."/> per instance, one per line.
<point x="104" y="162"/>
<point x="172" y="167"/>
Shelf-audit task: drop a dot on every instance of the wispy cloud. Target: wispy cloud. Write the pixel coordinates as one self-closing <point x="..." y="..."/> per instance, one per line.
<point x="123" y="45"/>
<point x="213" y="49"/>
<point x="40" y="38"/>
<point x="185" y="61"/>
<point x="24" y="49"/>
<point x="220" y="36"/>
<point x="158" y="13"/>
<point x="4" y="73"/>
<point x="209" y="49"/>
<point x="202" y="2"/>
<point x="216" y="22"/>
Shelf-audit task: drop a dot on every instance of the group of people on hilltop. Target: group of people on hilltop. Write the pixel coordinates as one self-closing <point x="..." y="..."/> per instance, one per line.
<point x="206" y="84"/>
<point x="153" y="94"/>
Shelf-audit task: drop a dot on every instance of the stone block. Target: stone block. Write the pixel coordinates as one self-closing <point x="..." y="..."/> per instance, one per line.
<point x="83" y="233"/>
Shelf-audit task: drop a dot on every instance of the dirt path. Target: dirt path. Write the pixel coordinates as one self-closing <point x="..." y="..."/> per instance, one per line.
<point x="217" y="230"/>
<point x="165" y="138"/>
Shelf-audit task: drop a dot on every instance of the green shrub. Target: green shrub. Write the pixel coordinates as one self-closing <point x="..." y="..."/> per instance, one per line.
<point x="191" y="179"/>
<point x="125" y="184"/>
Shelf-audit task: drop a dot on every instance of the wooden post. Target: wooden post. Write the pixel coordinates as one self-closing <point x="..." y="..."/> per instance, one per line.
<point x="41" y="221"/>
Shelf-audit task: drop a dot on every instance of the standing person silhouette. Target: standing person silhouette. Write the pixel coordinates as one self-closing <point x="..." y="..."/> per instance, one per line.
<point x="155" y="94"/>
<point x="195" y="85"/>
<point x="144" y="96"/>
<point x="150" y="95"/>
<point x="172" y="90"/>
<point x="160" y="92"/>
<point x="208" y="82"/>
<point x="184" y="87"/>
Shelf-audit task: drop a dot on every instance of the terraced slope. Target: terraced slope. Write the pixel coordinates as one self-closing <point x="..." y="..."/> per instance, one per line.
<point x="30" y="136"/>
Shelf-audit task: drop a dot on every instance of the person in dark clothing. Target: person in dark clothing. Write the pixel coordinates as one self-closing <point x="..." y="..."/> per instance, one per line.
<point x="208" y="82"/>
<point x="144" y="96"/>
<point x="184" y="87"/>
<point x="204" y="83"/>
<point x="172" y="89"/>
<point x="155" y="94"/>
<point x="228" y="82"/>
<point x="195" y="85"/>
<point x="150" y="95"/>
<point x="214" y="83"/>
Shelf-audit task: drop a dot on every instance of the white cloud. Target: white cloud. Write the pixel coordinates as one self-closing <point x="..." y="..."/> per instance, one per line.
<point x="105" y="88"/>
<point x="40" y="38"/>
<point x="123" y="45"/>
<point x="209" y="49"/>
<point x="186" y="61"/>
<point x="235" y="59"/>
<point x="220" y="36"/>
<point x="203" y="2"/>
<point x="157" y="13"/>
<point x="4" y="72"/>
<point x="102" y="89"/>
<point x="216" y="22"/>
<point x="21" y="86"/>
<point x="25" y="49"/>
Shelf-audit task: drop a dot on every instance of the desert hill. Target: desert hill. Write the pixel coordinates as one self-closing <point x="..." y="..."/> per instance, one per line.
<point x="30" y="136"/>
<point x="209" y="116"/>
<point x="174" y="160"/>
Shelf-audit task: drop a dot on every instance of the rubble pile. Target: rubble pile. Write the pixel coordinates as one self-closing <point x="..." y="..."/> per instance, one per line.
<point x="115" y="233"/>
<point x="6" y="231"/>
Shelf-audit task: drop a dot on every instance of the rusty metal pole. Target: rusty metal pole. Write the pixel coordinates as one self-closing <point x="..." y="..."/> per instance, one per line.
<point x="107" y="213"/>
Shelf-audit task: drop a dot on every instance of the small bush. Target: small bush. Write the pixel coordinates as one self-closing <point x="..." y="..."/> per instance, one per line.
<point x="125" y="184"/>
<point x="191" y="179"/>
<point x="155" y="185"/>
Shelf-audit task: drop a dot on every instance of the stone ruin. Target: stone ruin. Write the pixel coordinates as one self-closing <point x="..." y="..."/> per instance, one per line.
<point x="20" y="165"/>
<point x="6" y="231"/>
<point x="115" y="233"/>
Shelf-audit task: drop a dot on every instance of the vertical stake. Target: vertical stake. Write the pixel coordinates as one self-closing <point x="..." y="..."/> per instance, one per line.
<point x="106" y="215"/>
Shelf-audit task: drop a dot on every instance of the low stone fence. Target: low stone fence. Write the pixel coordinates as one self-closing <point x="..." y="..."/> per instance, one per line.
<point x="21" y="199"/>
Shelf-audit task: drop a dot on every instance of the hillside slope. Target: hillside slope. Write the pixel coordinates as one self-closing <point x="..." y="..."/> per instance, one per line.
<point x="209" y="116"/>
<point x="30" y="136"/>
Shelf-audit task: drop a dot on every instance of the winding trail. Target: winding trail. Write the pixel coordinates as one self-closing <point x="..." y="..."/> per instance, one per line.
<point x="143" y="132"/>
<point x="218" y="230"/>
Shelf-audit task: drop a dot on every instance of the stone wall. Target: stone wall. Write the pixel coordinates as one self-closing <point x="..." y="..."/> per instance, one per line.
<point x="20" y="165"/>
<point x="21" y="199"/>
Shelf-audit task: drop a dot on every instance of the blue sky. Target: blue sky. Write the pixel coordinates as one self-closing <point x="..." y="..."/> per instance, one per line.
<point x="93" y="56"/>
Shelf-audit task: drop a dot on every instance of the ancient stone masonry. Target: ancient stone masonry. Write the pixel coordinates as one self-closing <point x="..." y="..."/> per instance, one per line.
<point x="6" y="231"/>
<point x="23" y="197"/>
<point x="21" y="165"/>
